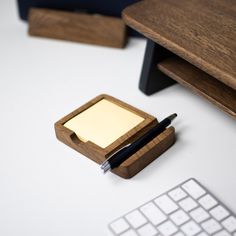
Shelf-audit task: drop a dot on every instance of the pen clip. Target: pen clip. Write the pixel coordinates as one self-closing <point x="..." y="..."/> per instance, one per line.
<point x="107" y="159"/>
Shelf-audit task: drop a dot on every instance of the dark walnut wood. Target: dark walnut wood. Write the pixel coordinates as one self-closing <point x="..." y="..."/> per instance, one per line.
<point x="133" y="164"/>
<point x="201" y="32"/>
<point x="77" y="27"/>
<point x="201" y="83"/>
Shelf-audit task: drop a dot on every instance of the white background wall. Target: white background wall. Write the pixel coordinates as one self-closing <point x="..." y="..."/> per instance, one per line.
<point x="47" y="188"/>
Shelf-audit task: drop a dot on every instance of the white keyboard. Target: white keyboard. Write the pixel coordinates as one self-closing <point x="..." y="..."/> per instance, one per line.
<point x="187" y="209"/>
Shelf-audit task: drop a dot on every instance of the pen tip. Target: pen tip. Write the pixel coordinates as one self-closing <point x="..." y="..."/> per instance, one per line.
<point x="171" y="117"/>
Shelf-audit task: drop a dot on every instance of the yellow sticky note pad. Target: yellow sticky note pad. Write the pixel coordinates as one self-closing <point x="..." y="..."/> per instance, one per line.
<point x="103" y="123"/>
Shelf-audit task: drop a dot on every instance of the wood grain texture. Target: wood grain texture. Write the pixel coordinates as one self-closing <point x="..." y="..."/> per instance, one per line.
<point x="77" y="27"/>
<point x="137" y="161"/>
<point x="147" y="154"/>
<point x="202" y="32"/>
<point x="201" y="83"/>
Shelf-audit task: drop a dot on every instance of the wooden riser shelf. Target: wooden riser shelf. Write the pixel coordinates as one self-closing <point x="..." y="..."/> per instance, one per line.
<point x="200" y="32"/>
<point x="201" y="83"/>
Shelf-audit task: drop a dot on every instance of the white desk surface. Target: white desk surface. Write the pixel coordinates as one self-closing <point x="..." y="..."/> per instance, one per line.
<point x="49" y="189"/>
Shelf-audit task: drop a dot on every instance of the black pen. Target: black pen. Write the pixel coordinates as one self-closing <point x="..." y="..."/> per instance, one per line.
<point x="128" y="150"/>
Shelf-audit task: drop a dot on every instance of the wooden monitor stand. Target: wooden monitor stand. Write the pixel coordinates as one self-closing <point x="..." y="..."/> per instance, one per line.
<point x="192" y="42"/>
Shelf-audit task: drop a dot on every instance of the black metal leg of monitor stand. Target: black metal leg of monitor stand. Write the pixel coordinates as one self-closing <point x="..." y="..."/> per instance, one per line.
<point x="152" y="79"/>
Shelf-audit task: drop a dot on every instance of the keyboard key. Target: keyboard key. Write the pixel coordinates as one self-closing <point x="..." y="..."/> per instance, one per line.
<point x="179" y="234"/>
<point x="199" y="215"/>
<point x="130" y="232"/>
<point x="211" y="226"/>
<point x="207" y="202"/>
<point x="153" y="213"/>
<point x="219" y="213"/>
<point x="177" y="194"/>
<point x="166" y="204"/>
<point x="202" y="234"/>
<point x="135" y="218"/>
<point x="188" y="204"/>
<point x="222" y="233"/>
<point x="230" y="224"/>
<point x="179" y="217"/>
<point x="167" y="228"/>
<point x="119" y="226"/>
<point x="191" y="228"/>
<point x="193" y="189"/>
<point x="147" y="230"/>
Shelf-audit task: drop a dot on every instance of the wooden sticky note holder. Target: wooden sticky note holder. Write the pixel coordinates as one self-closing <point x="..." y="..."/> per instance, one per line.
<point x="99" y="153"/>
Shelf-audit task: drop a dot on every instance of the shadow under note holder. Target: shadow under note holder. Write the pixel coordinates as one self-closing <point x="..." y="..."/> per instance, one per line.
<point x="104" y="125"/>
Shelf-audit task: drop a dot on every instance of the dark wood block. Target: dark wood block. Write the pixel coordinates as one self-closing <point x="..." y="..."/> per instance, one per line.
<point x="134" y="163"/>
<point x="77" y="27"/>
